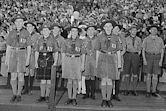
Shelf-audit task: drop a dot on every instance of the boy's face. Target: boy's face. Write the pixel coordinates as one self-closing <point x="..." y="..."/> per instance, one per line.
<point x="91" y="31"/>
<point x="116" y="30"/>
<point x="133" y="31"/>
<point x="153" y="30"/>
<point x="46" y="32"/>
<point x="108" y="28"/>
<point x="74" y="33"/>
<point x="56" y="31"/>
<point x="30" y="27"/>
<point x="19" y="23"/>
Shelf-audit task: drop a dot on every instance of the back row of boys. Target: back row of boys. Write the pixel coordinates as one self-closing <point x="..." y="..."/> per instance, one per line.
<point x="84" y="56"/>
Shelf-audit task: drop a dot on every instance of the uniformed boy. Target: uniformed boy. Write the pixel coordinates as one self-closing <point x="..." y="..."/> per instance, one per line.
<point x="30" y="71"/>
<point x="153" y="52"/>
<point x="90" y="62"/>
<point x="73" y="63"/>
<point x="107" y="47"/>
<point x="120" y="61"/>
<point x="18" y="44"/>
<point x="132" y="61"/>
<point x="56" y="31"/>
<point x="81" y="83"/>
<point x="46" y="55"/>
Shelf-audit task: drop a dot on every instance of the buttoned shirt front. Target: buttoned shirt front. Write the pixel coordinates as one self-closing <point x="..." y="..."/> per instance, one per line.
<point x="61" y="42"/>
<point x="19" y="39"/>
<point x="34" y="37"/>
<point x="74" y="47"/>
<point x="107" y="43"/>
<point x="133" y="47"/>
<point x="153" y="45"/>
<point x="89" y="45"/>
<point x="47" y="45"/>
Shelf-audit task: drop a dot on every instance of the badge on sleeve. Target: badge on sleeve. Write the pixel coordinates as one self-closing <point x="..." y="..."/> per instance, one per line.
<point x="22" y="40"/>
<point x="49" y="49"/>
<point x="77" y="49"/>
<point x="41" y="48"/>
<point x="113" y="45"/>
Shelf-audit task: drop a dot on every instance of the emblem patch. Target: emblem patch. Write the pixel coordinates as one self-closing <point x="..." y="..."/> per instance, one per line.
<point x="22" y="40"/>
<point x="113" y="45"/>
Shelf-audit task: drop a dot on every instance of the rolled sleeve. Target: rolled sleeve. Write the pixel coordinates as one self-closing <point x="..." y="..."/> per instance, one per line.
<point x="55" y="47"/>
<point x="144" y="44"/>
<point x="97" y="44"/>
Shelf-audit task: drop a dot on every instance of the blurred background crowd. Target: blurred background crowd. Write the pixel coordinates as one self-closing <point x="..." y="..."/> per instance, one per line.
<point x="66" y="12"/>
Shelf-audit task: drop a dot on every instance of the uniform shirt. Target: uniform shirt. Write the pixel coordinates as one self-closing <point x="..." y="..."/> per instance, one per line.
<point x="153" y="45"/>
<point x="89" y="45"/>
<point x="136" y="47"/>
<point x="47" y="45"/>
<point x="106" y="43"/>
<point x="74" y="47"/>
<point x="19" y="39"/>
<point x="61" y="41"/>
<point x="34" y="37"/>
<point x="122" y="41"/>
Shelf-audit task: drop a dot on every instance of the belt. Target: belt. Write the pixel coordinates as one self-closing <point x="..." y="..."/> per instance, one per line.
<point x="153" y="53"/>
<point x="106" y="52"/>
<point x="45" y="53"/>
<point x="132" y="52"/>
<point x="18" y="48"/>
<point x="68" y="55"/>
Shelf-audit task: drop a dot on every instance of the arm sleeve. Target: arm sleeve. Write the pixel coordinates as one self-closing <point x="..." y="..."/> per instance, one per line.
<point x="144" y="44"/>
<point x="97" y="44"/>
<point x="8" y="40"/>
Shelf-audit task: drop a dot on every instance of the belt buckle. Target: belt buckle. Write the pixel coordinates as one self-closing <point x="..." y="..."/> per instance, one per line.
<point x="44" y="54"/>
<point x="72" y="55"/>
<point x="109" y="53"/>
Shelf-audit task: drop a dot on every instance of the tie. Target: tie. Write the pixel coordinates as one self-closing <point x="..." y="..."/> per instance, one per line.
<point x="133" y="41"/>
<point x="44" y="46"/>
<point x="73" y="47"/>
<point x="108" y="43"/>
<point x="18" y="37"/>
<point x="90" y="45"/>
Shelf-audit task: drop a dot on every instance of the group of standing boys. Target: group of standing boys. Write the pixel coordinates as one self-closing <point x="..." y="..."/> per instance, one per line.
<point x="84" y="56"/>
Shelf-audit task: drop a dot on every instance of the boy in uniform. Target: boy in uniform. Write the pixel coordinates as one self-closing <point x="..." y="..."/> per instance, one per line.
<point x="153" y="52"/>
<point x="19" y="46"/>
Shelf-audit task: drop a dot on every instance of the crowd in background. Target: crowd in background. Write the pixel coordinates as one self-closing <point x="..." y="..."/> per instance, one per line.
<point x="66" y="12"/>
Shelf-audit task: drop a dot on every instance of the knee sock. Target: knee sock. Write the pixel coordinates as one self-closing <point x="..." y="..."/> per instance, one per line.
<point x="31" y="82"/>
<point x="48" y="86"/>
<point x="42" y="89"/>
<point x="69" y="89"/>
<point x="8" y="78"/>
<point x="93" y="87"/>
<point x="26" y="81"/>
<point x="14" y="86"/>
<point x="154" y="84"/>
<point x="134" y="83"/>
<point x="87" y="87"/>
<point x="148" y="84"/>
<point x="109" y="92"/>
<point x="75" y="89"/>
<point x="127" y="83"/>
<point x="117" y="86"/>
<point x="103" y="91"/>
<point x="59" y="81"/>
<point x="79" y="86"/>
<point x="20" y="86"/>
<point x="83" y="85"/>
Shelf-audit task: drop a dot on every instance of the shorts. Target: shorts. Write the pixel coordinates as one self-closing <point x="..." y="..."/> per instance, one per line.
<point x="17" y="61"/>
<point x="131" y="63"/>
<point x="152" y="66"/>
